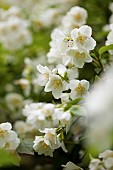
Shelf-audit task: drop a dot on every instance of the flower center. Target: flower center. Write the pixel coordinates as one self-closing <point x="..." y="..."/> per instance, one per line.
<point x="80" y="89"/>
<point x="57" y="83"/>
<point x="44" y="145"/>
<point x="79" y="55"/>
<point x="7" y="145"/>
<point x="51" y="136"/>
<point x="81" y="38"/>
<point x="69" y="41"/>
<point x="2" y="133"/>
<point x="78" y="17"/>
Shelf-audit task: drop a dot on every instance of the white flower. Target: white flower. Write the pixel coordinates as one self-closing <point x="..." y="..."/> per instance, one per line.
<point x="44" y="76"/>
<point x="8" y="138"/>
<point x="79" y="58"/>
<point x="96" y="164"/>
<point x="107" y="157"/>
<point x="43" y="146"/>
<point x="71" y="166"/>
<point x="56" y="85"/>
<point x="78" y="88"/>
<point x="48" y="109"/>
<point x="64" y="118"/>
<point x="50" y="134"/>
<point x="31" y="108"/>
<point x="63" y="42"/>
<point x="110" y="38"/>
<point x="14" y="100"/>
<point x="76" y="16"/>
<point x="82" y="38"/>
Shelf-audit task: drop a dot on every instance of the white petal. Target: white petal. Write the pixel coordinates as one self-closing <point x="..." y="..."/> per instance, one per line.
<point x="85" y="30"/>
<point x="48" y="87"/>
<point x="88" y="58"/>
<point x="41" y="69"/>
<point x="42" y="80"/>
<point x="79" y="63"/>
<point x="73" y="95"/>
<point x="85" y="84"/>
<point x="57" y="93"/>
<point x="73" y="84"/>
<point x="74" y="33"/>
<point x="89" y="44"/>
<point x="6" y="126"/>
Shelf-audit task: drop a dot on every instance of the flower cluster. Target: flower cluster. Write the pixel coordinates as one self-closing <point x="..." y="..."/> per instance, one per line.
<point x="14" y="29"/>
<point x="105" y="161"/>
<point x="45" y="115"/>
<point x="8" y="138"/>
<point x="48" y="143"/>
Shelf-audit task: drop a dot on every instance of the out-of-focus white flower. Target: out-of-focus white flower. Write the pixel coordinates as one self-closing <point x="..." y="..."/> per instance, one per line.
<point x="14" y="30"/>
<point x="44" y="76"/>
<point x="76" y="17"/>
<point x="32" y="107"/>
<point x="96" y="164"/>
<point x="71" y="166"/>
<point x="54" y="56"/>
<point x="65" y="118"/>
<point x="110" y="38"/>
<point x="78" y="88"/>
<point x="56" y="85"/>
<point x="48" y="109"/>
<point x="14" y="100"/>
<point x="107" y="158"/>
<point x="82" y="38"/>
<point x="43" y="146"/>
<point x="22" y="127"/>
<point x="79" y="58"/>
<point x="8" y="138"/>
<point x="100" y="109"/>
<point x="111" y="7"/>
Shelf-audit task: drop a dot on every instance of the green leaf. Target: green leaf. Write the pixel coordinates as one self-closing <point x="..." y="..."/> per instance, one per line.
<point x="75" y="118"/>
<point x="26" y="146"/>
<point x="105" y="48"/>
<point x="9" y="158"/>
<point x="78" y="110"/>
<point x="69" y="104"/>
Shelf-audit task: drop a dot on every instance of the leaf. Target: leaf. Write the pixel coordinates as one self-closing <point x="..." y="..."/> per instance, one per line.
<point x="69" y="104"/>
<point x="75" y="118"/>
<point x="26" y="146"/>
<point x="9" y="158"/>
<point x="78" y="110"/>
<point x="105" y="48"/>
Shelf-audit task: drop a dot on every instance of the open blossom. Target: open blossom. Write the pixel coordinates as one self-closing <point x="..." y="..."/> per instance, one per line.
<point x="82" y="38"/>
<point x="78" y="88"/>
<point x="8" y="138"/>
<point x="44" y="76"/>
<point x="43" y="146"/>
<point x="71" y="166"/>
<point x="96" y="164"/>
<point x="107" y="158"/>
<point x="56" y="85"/>
<point x="79" y="58"/>
<point x="51" y="135"/>
<point x="63" y="42"/>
